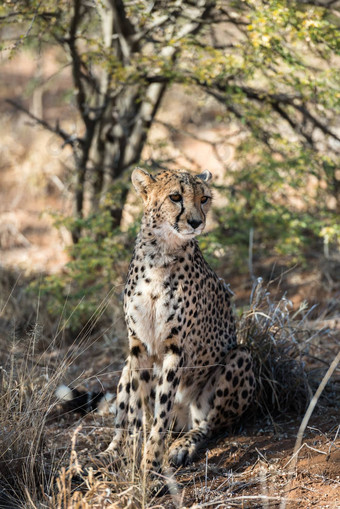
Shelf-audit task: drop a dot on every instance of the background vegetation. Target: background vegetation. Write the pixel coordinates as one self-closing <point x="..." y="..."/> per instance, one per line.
<point x="249" y="90"/>
<point x="267" y="69"/>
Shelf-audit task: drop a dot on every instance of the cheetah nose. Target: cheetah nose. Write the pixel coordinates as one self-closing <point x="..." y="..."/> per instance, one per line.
<point x="195" y="223"/>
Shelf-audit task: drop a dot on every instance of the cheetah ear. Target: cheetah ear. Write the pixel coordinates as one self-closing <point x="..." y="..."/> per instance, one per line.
<point x="206" y="176"/>
<point x="141" y="180"/>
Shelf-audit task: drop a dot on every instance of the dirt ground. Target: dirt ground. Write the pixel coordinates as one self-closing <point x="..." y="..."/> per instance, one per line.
<point x="251" y="467"/>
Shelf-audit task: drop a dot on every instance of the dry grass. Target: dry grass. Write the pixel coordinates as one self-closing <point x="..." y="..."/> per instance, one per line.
<point x="279" y="342"/>
<point x="36" y="472"/>
<point x="26" y="400"/>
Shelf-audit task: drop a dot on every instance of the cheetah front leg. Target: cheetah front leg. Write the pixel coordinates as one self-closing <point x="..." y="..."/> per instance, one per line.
<point x="164" y="403"/>
<point x="133" y="394"/>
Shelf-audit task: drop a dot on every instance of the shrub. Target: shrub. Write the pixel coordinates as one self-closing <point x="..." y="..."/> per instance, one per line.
<point x="93" y="279"/>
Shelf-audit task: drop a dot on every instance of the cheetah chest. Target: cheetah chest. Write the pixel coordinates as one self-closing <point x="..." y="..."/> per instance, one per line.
<point x="152" y="309"/>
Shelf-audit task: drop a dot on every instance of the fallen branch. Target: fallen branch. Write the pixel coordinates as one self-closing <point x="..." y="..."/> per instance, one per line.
<point x="306" y="418"/>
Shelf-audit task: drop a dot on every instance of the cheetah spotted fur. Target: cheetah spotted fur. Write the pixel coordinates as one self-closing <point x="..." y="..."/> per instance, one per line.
<point x="184" y="366"/>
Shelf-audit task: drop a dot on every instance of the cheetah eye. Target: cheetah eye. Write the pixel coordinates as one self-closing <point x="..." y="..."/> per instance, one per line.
<point x="204" y="199"/>
<point x="175" y="197"/>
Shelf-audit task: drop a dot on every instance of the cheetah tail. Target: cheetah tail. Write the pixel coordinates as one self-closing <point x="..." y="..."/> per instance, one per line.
<point x="84" y="402"/>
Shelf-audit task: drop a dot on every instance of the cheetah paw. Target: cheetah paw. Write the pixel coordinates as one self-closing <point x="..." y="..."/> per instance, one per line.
<point x="182" y="455"/>
<point x="109" y="459"/>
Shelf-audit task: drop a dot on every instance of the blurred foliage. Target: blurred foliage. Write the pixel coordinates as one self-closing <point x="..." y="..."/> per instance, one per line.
<point x="269" y="66"/>
<point x="286" y="208"/>
<point x="93" y="280"/>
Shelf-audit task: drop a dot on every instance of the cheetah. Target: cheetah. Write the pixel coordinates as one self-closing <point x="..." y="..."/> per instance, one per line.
<point x="184" y="366"/>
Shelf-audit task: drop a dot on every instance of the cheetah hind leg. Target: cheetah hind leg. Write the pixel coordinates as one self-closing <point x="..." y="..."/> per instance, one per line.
<point x="227" y="394"/>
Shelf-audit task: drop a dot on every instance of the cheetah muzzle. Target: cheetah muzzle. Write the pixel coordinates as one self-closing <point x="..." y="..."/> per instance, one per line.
<point x="184" y="367"/>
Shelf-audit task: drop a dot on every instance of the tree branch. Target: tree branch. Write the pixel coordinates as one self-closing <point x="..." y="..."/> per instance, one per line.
<point x="276" y="100"/>
<point x="69" y="139"/>
<point x="154" y="93"/>
<point x="291" y="100"/>
<point x="136" y="38"/>
<point x="124" y="29"/>
<point x="76" y="62"/>
<point x="321" y="3"/>
<point x="42" y="15"/>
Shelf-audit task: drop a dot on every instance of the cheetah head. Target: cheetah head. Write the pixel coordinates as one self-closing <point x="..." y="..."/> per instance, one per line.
<point x="175" y="202"/>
